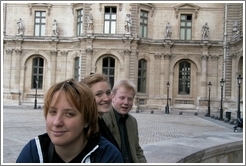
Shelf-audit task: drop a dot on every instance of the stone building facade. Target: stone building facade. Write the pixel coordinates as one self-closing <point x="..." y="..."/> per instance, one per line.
<point x="164" y="43"/>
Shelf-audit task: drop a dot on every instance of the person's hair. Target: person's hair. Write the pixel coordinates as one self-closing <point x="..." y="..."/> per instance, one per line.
<point x="79" y="96"/>
<point x="94" y="78"/>
<point x="127" y="84"/>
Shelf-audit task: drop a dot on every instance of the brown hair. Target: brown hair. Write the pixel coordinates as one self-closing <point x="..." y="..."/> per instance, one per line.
<point x="94" y="78"/>
<point x="79" y="96"/>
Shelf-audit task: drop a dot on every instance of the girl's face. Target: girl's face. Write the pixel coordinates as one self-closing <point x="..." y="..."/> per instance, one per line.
<point x="102" y="93"/>
<point x="64" y="123"/>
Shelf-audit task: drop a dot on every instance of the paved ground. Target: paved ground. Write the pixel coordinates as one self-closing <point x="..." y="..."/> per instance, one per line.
<point x="22" y="123"/>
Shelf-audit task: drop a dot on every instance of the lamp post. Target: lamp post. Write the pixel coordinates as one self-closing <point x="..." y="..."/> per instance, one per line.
<point x="221" y="109"/>
<point x="167" y="106"/>
<point x="209" y="89"/>
<point x="35" y="101"/>
<point x="239" y="81"/>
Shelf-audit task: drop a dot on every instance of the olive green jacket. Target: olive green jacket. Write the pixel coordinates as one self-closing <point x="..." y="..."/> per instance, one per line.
<point x="132" y="132"/>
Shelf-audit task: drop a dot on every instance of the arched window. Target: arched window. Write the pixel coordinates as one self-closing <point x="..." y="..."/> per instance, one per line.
<point x="108" y="69"/>
<point x="76" y="68"/>
<point x="184" y="77"/>
<point x="37" y="72"/>
<point x="142" y="68"/>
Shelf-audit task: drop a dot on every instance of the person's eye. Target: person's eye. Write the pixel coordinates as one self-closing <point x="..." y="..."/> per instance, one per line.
<point x="98" y="94"/>
<point x="108" y="93"/>
<point x="52" y="111"/>
<point x="70" y="114"/>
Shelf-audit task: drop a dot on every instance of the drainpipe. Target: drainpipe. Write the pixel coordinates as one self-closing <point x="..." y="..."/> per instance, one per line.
<point x="225" y="42"/>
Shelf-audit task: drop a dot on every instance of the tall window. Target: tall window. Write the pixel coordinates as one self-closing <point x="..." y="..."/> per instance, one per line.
<point x="37" y="72"/>
<point x="40" y="19"/>
<point x="76" y="68"/>
<point x="184" y="77"/>
<point x="185" y="26"/>
<point x="143" y="31"/>
<point x="142" y="67"/>
<point x="108" y="69"/>
<point x="110" y="20"/>
<point x="79" y="22"/>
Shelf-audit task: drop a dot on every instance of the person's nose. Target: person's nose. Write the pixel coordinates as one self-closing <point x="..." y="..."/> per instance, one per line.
<point x="107" y="97"/>
<point x="58" y="120"/>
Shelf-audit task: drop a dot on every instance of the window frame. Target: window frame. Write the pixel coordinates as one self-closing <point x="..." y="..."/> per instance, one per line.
<point x="36" y="74"/>
<point x="142" y="76"/>
<point x="186" y="27"/>
<point x="79" y="22"/>
<point x="40" y="23"/>
<point x="109" y="67"/>
<point x="142" y="25"/>
<point x="184" y="83"/>
<point x="110" y="20"/>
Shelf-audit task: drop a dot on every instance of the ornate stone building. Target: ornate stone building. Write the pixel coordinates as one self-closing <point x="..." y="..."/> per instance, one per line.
<point x="164" y="42"/>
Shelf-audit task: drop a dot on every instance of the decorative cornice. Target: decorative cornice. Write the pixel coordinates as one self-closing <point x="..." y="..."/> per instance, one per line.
<point x="158" y="56"/>
<point x="186" y="7"/>
<point x="53" y="52"/>
<point x="64" y="53"/>
<point x="214" y="57"/>
<point x="75" y="6"/>
<point x="18" y="51"/>
<point x="204" y="56"/>
<point x="38" y="6"/>
<point x="89" y="50"/>
<point x="127" y="51"/>
<point x="167" y="56"/>
<point x="9" y="51"/>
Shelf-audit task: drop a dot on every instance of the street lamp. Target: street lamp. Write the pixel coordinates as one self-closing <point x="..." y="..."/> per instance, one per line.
<point x="209" y="89"/>
<point x="167" y="107"/>
<point x="239" y="81"/>
<point x="35" y="101"/>
<point x="221" y="109"/>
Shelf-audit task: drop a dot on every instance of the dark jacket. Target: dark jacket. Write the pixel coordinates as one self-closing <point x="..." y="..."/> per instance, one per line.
<point x="132" y="132"/>
<point x="97" y="150"/>
<point x="105" y="132"/>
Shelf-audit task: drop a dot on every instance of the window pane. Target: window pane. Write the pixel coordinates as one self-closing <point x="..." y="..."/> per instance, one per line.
<point x="183" y="17"/>
<point x="40" y="71"/>
<point x="145" y="31"/>
<point x="113" y="27"/>
<point x="42" y="30"/>
<point x="37" y="14"/>
<point x="37" y="20"/>
<point x="114" y="16"/>
<point x="188" y="24"/>
<point x="106" y="27"/>
<point x="107" y="16"/>
<point x="43" y="20"/>
<point x="182" y="34"/>
<point x="43" y="14"/>
<point x="36" y="30"/>
<point x="188" y="34"/>
<point x="111" y="71"/>
<point x="41" y="62"/>
<point x="182" y="24"/>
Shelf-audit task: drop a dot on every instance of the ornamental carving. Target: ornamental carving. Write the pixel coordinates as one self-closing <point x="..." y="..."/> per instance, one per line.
<point x="9" y="51"/>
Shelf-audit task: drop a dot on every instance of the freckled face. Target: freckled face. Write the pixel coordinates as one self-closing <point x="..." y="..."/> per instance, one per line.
<point x="102" y="93"/>
<point x="64" y="123"/>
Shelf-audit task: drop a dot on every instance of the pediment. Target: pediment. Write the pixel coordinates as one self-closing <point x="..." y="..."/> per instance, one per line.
<point x="39" y="6"/>
<point x="147" y="6"/>
<point x="186" y="7"/>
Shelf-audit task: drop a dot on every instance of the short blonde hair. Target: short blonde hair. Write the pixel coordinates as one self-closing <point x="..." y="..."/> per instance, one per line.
<point x="127" y="84"/>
